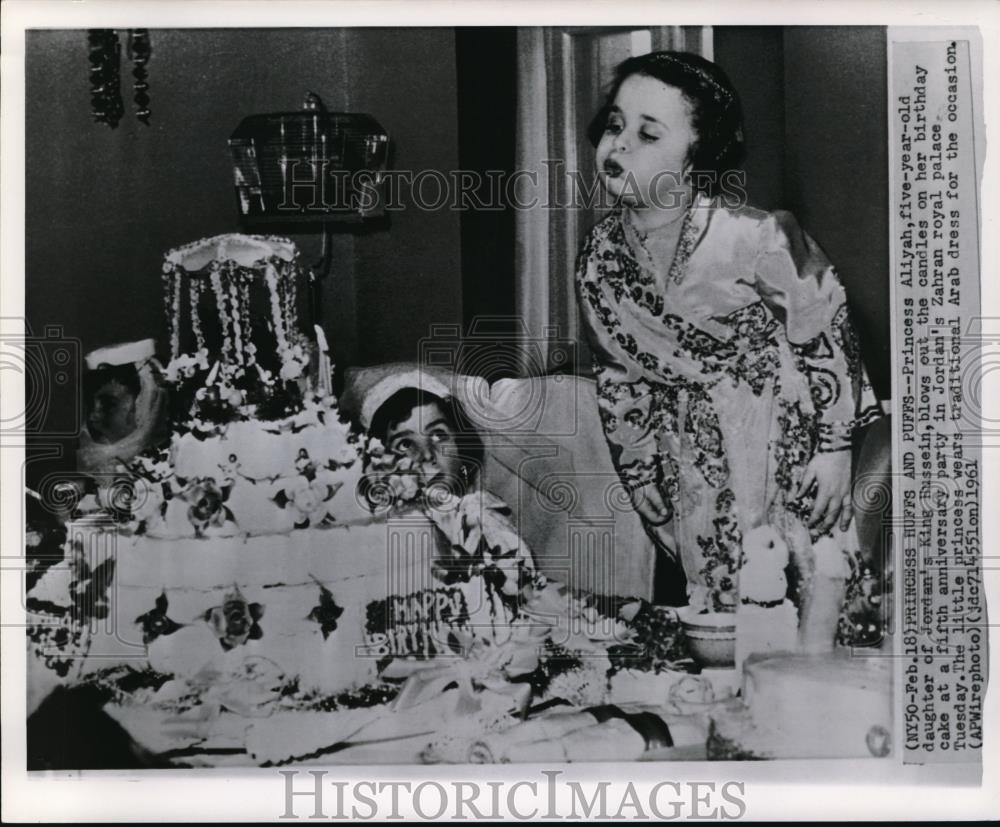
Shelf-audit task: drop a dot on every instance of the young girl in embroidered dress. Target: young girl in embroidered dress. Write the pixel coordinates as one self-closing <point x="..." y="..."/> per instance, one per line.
<point x="728" y="372"/>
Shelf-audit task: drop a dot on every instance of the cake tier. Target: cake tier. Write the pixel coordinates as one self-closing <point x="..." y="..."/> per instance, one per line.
<point x="224" y="293"/>
<point x="255" y="479"/>
<point x="325" y="609"/>
<point x="241" y="250"/>
<point x="235" y="306"/>
<point x="252" y="478"/>
<point x="812" y="706"/>
<point x="259" y="451"/>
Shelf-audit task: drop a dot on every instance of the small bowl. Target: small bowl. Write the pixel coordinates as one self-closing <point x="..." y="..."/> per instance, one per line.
<point x="711" y="636"/>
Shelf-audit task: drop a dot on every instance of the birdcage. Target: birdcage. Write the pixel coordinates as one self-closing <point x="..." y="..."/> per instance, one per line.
<point x="309" y="165"/>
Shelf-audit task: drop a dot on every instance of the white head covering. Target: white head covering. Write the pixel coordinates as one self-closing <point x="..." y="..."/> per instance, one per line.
<point x="103" y="458"/>
<point x="124" y="353"/>
<point x="368" y="389"/>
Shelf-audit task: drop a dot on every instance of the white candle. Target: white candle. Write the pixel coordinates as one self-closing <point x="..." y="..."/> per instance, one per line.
<point x="321" y="339"/>
<point x="325" y="384"/>
<point x="314" y="147"/>
<point x="212" y="374"/>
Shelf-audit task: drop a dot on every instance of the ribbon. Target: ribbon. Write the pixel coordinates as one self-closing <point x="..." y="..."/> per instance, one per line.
<point x="487" y="670"/>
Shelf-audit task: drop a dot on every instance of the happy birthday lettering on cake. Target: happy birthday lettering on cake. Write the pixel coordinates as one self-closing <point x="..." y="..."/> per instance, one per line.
<point x="415" y="624"/>
<point x="936" y="287"/>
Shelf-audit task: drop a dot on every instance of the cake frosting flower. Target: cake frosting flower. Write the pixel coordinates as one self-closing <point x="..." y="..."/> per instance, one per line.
<point x="307" y="494"/>
<point x="392" y="481"/>
<point x="235" y="621"/>
<point x="156" y="622"/>
<point x="296" y="359"/>
<point x="309" y="497"/>
<point x="185" y="366"/>
<point x="206" y="505"/>
<point x="147" y="500"/>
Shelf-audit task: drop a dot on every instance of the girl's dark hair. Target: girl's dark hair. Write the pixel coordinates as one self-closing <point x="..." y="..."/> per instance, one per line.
<point x="716" y="113"/>
<point x="402" y="403"/>
<point x="96" y="379"/>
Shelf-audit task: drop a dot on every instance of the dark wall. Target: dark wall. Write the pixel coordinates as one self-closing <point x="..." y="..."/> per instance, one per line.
<point x="410" y="276"/>
<point x="836" y="166"/>
<point x="816" y="128"/>
<point x="104" y="205"/>
<point x="486" y="62"/>
<point x="486" y="58"/>
<point x="753" y="58"/>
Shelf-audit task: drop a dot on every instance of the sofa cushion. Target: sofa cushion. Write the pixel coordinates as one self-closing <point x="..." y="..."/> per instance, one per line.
<point x="548" y="458"/>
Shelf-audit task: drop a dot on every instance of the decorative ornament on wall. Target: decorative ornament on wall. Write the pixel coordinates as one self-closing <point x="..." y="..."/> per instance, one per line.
<point x="139" y="50"/>
<point x="105" y="74"/>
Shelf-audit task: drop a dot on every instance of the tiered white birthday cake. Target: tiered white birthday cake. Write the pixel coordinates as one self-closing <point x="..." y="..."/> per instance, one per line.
<point x="242" y="550"/>
<point x="259" y="446"/>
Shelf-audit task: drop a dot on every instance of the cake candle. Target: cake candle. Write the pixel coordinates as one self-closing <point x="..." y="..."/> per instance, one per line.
<point x="324" y="361"/>
<point x="212" y="374"/>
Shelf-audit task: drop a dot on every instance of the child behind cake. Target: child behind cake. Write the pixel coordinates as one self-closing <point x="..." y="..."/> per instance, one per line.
<point x="432" y="442"/>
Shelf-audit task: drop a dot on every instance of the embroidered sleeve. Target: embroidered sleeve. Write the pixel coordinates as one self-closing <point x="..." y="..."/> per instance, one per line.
<point x="627" y="407"/>
<point x="795" y="278"/>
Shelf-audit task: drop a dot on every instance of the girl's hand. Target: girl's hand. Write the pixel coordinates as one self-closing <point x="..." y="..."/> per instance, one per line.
<point x="831" y="474"/>
<point x="649" y="502"/>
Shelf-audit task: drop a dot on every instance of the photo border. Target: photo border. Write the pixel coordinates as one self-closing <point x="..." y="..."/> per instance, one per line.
<point x="876" y="789"/>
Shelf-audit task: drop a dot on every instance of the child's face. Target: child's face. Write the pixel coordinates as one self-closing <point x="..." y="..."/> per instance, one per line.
<point x="428" y="436"/>
<point x="645" y="147"/>
<point x="111" y="417"/>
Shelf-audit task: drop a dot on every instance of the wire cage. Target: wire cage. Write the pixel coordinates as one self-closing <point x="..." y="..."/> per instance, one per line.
<point x="309" y="165"/>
